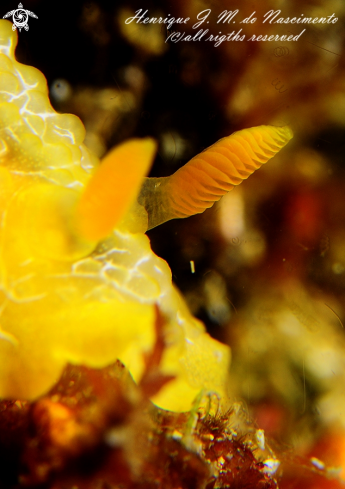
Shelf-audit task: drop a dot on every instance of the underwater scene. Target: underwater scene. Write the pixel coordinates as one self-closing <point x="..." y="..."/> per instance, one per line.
<point x="172" y="244"/>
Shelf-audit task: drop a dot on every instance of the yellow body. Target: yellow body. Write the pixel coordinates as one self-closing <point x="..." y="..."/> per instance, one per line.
<point x="79" y="280"/>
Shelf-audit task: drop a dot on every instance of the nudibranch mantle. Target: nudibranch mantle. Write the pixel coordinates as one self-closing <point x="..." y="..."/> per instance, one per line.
<point x="79" y="281"/>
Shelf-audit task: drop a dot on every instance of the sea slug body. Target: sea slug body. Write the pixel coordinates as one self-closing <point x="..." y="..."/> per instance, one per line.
<point x="78" y="280"/>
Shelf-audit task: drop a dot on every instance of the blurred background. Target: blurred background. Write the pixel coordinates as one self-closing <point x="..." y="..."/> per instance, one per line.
<point x="270" y="257"/>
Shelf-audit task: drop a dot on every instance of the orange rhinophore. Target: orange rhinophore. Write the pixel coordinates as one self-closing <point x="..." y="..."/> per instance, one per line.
<point x="211" y="174"/>
<point x="114" y="187"/>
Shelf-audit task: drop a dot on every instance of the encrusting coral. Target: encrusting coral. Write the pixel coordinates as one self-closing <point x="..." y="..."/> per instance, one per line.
<point x="79" y="282"/>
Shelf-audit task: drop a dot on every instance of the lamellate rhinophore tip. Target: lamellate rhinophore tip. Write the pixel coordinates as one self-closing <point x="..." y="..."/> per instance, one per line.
<point x="211" y="174"/>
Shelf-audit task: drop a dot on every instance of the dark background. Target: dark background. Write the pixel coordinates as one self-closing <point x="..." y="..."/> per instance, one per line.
<point x="189" y="94"/>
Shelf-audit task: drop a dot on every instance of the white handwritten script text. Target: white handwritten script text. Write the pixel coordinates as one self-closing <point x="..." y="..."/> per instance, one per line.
<point x="227" y="17"/>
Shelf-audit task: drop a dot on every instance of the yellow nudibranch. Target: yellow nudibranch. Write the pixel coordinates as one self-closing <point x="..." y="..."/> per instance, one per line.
<point x="79" y="282"/>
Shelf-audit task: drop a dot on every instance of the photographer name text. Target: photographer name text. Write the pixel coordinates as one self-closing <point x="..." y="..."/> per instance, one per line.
<point x="227" y="17"/>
